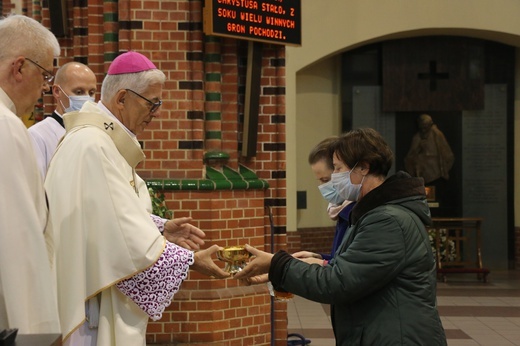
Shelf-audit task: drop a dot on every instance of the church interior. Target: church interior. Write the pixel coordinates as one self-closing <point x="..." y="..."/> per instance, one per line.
<point x="242" y="109"/>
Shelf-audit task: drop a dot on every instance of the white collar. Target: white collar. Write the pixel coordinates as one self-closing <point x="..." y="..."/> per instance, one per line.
<point x="6" y="100"/>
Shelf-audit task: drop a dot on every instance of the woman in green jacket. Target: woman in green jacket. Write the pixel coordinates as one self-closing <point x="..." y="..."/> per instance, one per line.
<point x="381" y="283"/>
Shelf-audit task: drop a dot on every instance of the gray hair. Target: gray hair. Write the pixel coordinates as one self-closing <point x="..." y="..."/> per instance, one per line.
<point x="137" y="82"/>
<point x="21" y="35"/>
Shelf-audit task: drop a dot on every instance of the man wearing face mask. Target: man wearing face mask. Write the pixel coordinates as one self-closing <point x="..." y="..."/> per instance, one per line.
<point x="74" y="85"/>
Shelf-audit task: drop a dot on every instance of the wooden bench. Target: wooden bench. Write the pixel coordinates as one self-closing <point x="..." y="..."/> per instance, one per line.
<point x="457" y="245"/>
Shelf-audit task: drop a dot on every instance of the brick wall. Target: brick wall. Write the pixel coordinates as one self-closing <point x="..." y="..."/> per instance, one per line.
<point x="315" y="239"/>
<point x="7" y="6"/>
<point x="222" y="312"/>
<point x="202" y="111"/>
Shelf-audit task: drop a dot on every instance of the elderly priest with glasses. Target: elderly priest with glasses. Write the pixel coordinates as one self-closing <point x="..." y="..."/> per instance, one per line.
<point x="114" y="270"/>
<point x="27" y="298"/>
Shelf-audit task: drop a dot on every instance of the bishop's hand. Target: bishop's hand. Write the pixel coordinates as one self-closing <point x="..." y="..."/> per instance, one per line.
<point x="205" y="265"/>
<point x="179" y="231"/>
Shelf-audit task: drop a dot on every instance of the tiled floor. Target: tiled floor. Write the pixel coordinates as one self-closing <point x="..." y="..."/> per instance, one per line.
<point x="472" y="312"/>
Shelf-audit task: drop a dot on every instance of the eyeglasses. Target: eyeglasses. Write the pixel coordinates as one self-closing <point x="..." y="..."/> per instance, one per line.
<point x="154" y="105"/>
<point x="47" y="75"/>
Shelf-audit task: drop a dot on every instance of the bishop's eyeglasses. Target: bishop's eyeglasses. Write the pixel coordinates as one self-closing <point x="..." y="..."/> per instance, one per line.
<point x="48" y="76"/>
<point x="154" y="105"/>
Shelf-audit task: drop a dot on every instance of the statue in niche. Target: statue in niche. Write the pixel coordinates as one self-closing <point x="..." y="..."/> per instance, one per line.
<point x="430" y="155"/>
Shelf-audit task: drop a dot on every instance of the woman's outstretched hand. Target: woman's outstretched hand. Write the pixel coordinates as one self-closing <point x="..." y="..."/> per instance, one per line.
<point x="258" y="264"/>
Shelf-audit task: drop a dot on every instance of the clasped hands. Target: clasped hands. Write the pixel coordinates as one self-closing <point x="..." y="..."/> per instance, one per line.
<point x="254" y="273"/>
<point x="256" y="270"/>
<point x="179" y="231"/>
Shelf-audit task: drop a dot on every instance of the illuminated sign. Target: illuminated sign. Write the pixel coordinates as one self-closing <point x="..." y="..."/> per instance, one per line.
<point x="272" y="21"/>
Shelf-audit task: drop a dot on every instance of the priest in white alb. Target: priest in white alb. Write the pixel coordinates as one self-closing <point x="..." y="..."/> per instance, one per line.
<point x="27" y="296"/>
<point x="114" y="270"/>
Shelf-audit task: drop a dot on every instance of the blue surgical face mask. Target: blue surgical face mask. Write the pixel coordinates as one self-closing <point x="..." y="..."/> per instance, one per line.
<point x="330" y="194"/>
<point x="343" y="184"/>
<point x="75" y="101"/>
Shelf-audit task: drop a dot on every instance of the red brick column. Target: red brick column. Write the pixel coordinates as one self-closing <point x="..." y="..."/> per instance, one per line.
<point x="222" y="312"/>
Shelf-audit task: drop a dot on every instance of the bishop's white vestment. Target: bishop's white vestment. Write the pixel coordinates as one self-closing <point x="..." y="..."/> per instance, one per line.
<point x="106" y="247"/>
<point x="27" y="296"/>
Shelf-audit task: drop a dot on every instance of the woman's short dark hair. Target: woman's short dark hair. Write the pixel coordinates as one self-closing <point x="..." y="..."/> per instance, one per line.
<point x="322" y="152"/>
<point x="364" y="145"/>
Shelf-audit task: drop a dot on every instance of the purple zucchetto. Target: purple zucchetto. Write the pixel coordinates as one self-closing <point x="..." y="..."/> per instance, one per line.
<point x="130" y="62"/>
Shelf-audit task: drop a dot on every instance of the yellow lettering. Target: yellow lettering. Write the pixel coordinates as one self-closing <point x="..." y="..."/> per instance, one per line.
<point x="272" y="8"/>
<point x="222" y="12"/>
<point x="286" y="23"/>
<point x="250" y="17"/>
<point x="232" y="27"/>
<point x="229" y="2"/>
<point x="263" y="32"/>
<point x="250" y="4"/>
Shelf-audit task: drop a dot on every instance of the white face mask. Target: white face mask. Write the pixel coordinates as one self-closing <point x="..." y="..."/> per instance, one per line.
<point x="330" y="193"/>
<point x="75" y="101"/>
<point x="343" y="184"/>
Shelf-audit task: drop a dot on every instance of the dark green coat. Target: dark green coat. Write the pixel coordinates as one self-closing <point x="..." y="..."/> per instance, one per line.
<point x="381" y="283"/>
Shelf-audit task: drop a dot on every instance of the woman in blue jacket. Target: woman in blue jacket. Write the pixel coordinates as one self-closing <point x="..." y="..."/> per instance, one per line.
<point x="381" y="283"/>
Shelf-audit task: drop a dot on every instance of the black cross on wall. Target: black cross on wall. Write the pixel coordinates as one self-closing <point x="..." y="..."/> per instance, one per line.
<point x="433" y="75"/>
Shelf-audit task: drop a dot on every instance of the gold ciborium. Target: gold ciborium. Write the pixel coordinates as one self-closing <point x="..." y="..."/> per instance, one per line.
<point x="235" y="258"/>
